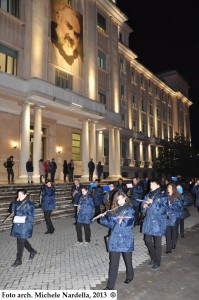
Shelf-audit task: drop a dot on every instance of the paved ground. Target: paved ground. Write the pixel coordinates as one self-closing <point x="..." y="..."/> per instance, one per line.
<point x="59" y="264"/>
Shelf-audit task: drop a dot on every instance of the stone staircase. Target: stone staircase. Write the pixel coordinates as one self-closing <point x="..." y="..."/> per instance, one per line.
<point x="8" y="194"/>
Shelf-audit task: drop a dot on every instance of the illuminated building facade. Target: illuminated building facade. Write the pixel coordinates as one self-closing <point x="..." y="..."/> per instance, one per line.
<point x="71" y="88"/>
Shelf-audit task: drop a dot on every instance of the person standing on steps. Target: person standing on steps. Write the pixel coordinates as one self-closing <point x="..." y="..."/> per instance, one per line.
<point x="71" y="170"/>
<point x="29" y="169"/>
<point x="9" y="164"/>
<point x="91" y="168"/>
<point x="65" y="169"/>
<point x="48" y="204"/>
<point x="22" y="228"/>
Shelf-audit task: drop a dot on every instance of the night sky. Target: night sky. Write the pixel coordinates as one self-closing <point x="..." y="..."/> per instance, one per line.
<point x="166" y="37"/>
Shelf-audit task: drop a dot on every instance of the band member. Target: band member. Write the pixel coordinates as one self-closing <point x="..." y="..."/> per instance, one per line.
<point x="136" y="192"/>
<point x="84" y="216"/>
<point x="98" y="197"/>
<point x="121" y="185"/>
<point x="154" y="226"/>
<point x="76" y="194"/>
<point x="108" y="199"/>
<point x="48" y="204"/>
<point x="121" y="239"/>
<point x="22" y="228"/>
<point x="184" y="213"/>
<point x="175" y="207"/>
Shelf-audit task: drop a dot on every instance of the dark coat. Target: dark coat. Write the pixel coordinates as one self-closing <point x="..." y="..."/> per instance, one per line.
<point x="23" y="230"/>
<point x="65" y="168"/>
<point x="121" y="238"/>
<point x="76" y="194"/>
<point x="185" y="202"/>
<point x="29" y="166"/>
<point x="91" y="166"/>
<point x="195" y="191"/>
<point x="122" y="187"/>
<point x="137" y="192"/>
<point x="85" y="213"/>
<point x="155" y="220"/>
<point x="98" y="195"/>
<point x="48" y="198"/>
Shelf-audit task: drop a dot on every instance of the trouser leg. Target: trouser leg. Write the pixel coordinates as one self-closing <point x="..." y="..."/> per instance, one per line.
<point x="127" y="256"/>
<point x="137" y="213"/>
<point x="9" y="174"/>
<point x="168" y="239"/>
<point x="113" y="269"/>
<point x="49" y="225"/>
<point x="79" y="232"/>
<point x="20" y="248"/>
<point x="174" y="235"/>
<point x="28" y="246"/>
<point x="158" y="249"/>
<point x="12" y="175"/>
<point x="154" y="246"/>
<point x="97" y="210"/>
<point x="182" y="226"/>
<point x="87" y="231"/>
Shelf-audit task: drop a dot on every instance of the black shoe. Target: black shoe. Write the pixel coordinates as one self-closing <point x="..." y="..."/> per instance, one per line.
<point x="17" y="263"/>
<point x="167" y="252"/>
<point x="75" y="223"/>
<point x="182" y="236"/>
<point x="47" y="232"/>
<point x="151" y="263"/>
<point x="51" y="232"/>
<point x="155" y="267"/>
<point x="173" y="247"/>
<point x="106" y="288"/>
<point x="128" y="280"/>
<point x="32" y="254"/>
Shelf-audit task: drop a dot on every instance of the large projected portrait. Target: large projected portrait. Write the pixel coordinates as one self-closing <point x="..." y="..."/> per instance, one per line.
<point x="66" y="36"/>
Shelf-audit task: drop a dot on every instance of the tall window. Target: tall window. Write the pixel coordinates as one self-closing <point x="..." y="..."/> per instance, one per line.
<point x="106" y="147"/>
<point x="63" y="80"/>
<point x="102" y="97"/>
<point x="101" y="22"/>
<point x="8" y="60"/>
<point x="122" y="64"/>
<point x="102" y="60"/>
<point x="122" y="91"/>
<point x="76" y="146"/>
<point x="124" y="149"/>
<point x="11" y="6"/>
<point x="135" y="150"/>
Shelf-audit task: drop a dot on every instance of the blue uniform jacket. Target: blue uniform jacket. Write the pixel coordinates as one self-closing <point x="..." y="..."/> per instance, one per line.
<point x="98" y="195"/>
<point x="173" y="213"/>
<point x="23" y="230"/>
<point x="195" y="191"/>
<point x="85" y="213"/>
<point x="155" y="220"/>
<point x="122" y="187"/>
<point x="136" y="193"/>
<point x="185" y="202"/>
<point x="121" y="238"/>
<point x="48" y="198"/>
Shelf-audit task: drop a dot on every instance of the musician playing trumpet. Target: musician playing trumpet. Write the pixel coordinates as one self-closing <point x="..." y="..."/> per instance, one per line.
<point x="121" y="239"/>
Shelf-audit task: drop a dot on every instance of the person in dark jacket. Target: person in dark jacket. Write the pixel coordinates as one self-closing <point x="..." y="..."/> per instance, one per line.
<point x="29" y="169"/>
<point x="53" y="169"/>
<point x="121" y="240"/>
<point x="9" y="164"/>
<point x="48" y="204"/>
<point x="195" y="191"/>
<point x="99" y="170"/>
<point x="184" y="213"/>
<point x="91" y="168"/>
<point x="22" y="228"/>
<point x="154" y="208"/>
<point x="84" y="216"/>
<point x="136" y="192"/>
<point x="71" y="168"/>
<point x="175" y="206"/>
<point x="121" y="185"/>
<point x="76" y="193"/>
<point x="98" y="197"/>
<point x="65" y="169"/>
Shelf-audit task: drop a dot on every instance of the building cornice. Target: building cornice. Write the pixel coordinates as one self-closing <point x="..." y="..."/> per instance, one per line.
<point x="112" y="10"/>
<point x="126" y="52"/>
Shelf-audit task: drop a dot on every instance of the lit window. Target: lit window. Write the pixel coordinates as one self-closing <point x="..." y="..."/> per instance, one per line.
<point x="122" y="65"/>
<point x="63" y="80"/>
<point x="102" y="97"/>
<point x="11" y="6"/>
<point x="76" y="146"/>
<point x="101" y="22"/>
<point x="101" y="60"/>
<point x="8" y="60"/>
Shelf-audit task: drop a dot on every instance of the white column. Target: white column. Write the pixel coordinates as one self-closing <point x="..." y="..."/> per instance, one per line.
<point x="37" y="142"/>
<point x="85" y="151"/>
<point x="100" y="146"/>
<point x="25" y="141"/>
<point x="117" y="153"/>
<point x="131" y="152"/>
<point x="111" y="153"/>
<point x="93" y="145"/>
